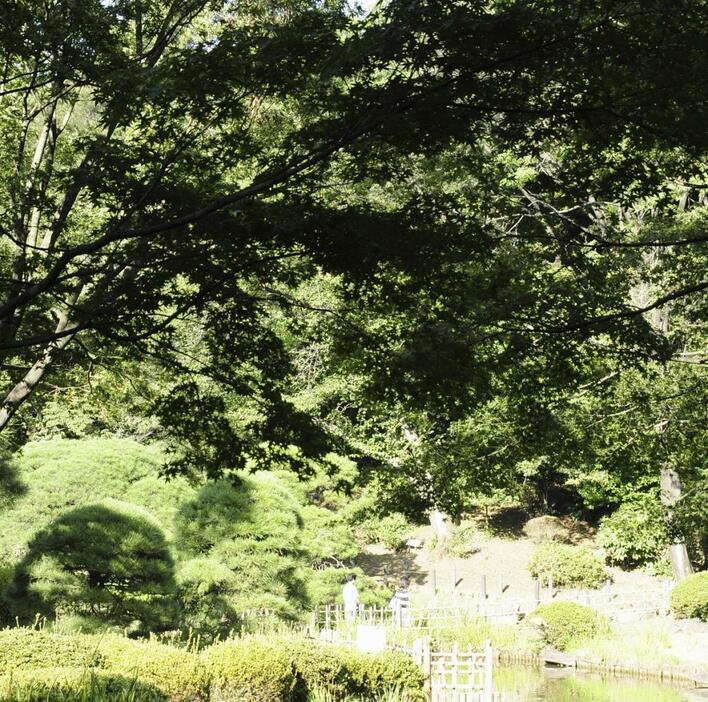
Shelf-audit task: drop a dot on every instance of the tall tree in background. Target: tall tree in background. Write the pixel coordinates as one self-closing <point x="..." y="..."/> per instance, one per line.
<point x="175" y="169"/>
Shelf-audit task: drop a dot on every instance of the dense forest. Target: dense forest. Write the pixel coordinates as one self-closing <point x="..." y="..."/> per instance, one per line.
<point x="283" y="279"/>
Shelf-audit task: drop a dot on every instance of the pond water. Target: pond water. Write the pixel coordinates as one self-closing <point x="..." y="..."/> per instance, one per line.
<point x="519" y="684"/>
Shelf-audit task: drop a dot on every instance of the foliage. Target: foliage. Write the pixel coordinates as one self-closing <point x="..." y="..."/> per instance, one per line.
<point x="246" y="537"/>
<point x="391" y="530"/>
<point x="62" y="474"/>
<point x="635" y="534"/>
<point x="568" y="566"/>
<point x="174" y="671"/>
<point x="458" y="544"/>
<point x="325" y="587"/>
<point x="252" y="671"/>
<point x="689" y="598"/>
<point x="108" y="560"/>
<point x="31" y="648"/>
<point x="563" y="622"/>
<point x="75" y="685"/>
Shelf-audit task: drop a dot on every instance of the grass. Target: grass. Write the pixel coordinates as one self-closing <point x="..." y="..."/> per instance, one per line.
<point x="649" y="643"/>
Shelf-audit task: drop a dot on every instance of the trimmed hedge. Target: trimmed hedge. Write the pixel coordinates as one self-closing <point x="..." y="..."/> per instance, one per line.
<point x="28" y="648"/>
<point x="569" y="566"/>
<point x="565" y="621"/>
<point x="343" y="671"/>
<point x="75" y="685"/>
<point x="689" y="598"/>
<point x="174" y="671"/>
<point x="252" y="670"/>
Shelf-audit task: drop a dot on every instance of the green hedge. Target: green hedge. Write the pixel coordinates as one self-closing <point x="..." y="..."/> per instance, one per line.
<point x="28" y="648"/>
<point x="174" y="671"/>
<point x="689" y="598"/>
<point x="569" y="566"/>
<point x="251" y="670"/>
<point x="343" y="671"/>
<point x="75" y="685"/>
<point x="562" y="622"/>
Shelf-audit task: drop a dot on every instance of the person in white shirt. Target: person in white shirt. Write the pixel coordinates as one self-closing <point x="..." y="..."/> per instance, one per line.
<point x="351" y="598"/>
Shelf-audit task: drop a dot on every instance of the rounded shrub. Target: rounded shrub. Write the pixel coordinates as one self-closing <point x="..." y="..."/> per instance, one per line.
<point x="174" y="671"/>
<point x="246" y="538"/>
<point x="252" y="670"/>
<point x="562" y="622"/>
<point x="75" y="685"/>
<point x="635" y="534"/>
<point x="569" y="566"/>
<point x="108" y="560"/>
<point x="689" y="598"/>
<point x="388" y="672"/>
<point x="29" y="648"/>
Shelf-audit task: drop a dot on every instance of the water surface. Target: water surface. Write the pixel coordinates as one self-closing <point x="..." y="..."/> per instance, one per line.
<point x="520" y="684"/>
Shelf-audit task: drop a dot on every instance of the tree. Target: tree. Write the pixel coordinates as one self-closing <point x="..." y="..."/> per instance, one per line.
<point x="107" y="561"/>
<point x="177" y="168"/>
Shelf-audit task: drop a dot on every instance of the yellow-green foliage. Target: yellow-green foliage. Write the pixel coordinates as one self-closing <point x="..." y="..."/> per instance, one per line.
<point x="690" y="597"/>
<point x="28" y="648"/>
<point x="174" y="671"/>
<point x="571" y="566"/>
<point x="563" y="622"/>
<point x="252" y="670"/>
<point x="342" y="671"/>
<point x="75" y="685"/>
<point x="59" y="475"/>
<point x="374" y="674"/>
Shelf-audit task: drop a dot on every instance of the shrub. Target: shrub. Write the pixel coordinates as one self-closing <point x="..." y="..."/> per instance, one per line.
<point x="570" y="566"/>
<point x="635" y="534"/>
<point x="252" y="529"/>
<point x="459" y="545"/>
<point x="108" y="560"/>
<point x="390" y="530"/>
<point x="381" y="673"/>
<point x="343" y="672"/>
<point x="174" y="671"/>
<point x="75" y="685"/>
<point x="63" y="474"/>
<point x="252" y="670"/>
<point x="565" y="621"/>
<point x="689" y="598"/>
<point x="29" y="648"/>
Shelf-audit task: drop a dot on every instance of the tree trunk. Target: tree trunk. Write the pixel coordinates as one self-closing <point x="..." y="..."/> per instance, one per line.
<point x="670" y="495"/>
<point x="439" y="524"/>
<point x="22" y="390"/>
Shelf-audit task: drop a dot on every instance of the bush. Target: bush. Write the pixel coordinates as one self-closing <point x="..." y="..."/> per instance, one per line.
<point x="108" y="560"/>
<point x="75" y="685"/>
<point x="390" y="530"/>
<point x="343" y="672"/>
<point x="29" y="648"/>
<point x="569" y="566"/>
<point x="252" y="670"/>
<point x="252" y="529"/>
<point x="174" y="671"/>
<point x="635" y="534"/>
<point x="64" y="474"/>
<point x="381" y="673"/>
<point x="689" y="598"/>
<point x="566" y="621"/>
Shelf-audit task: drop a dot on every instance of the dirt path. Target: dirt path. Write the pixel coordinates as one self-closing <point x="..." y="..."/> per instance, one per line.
<point x="501" y="559"/>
